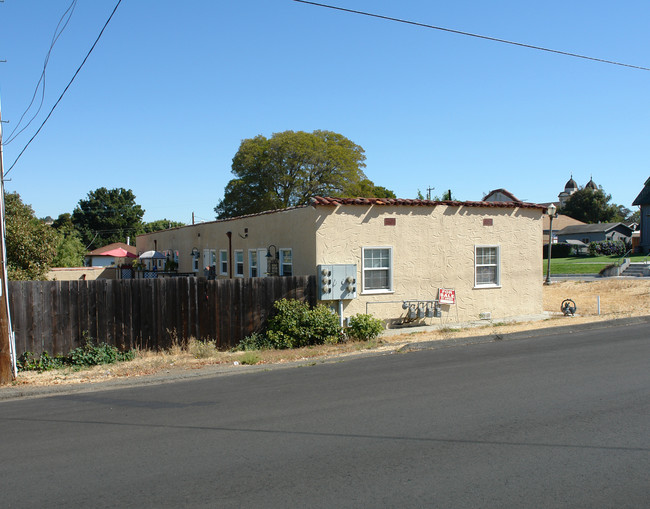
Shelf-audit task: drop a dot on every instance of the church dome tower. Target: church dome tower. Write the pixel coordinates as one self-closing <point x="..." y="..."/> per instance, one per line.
<point x="570" y="188"/>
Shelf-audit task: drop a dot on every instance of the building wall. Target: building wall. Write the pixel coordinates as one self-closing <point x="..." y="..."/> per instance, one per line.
<point x="619" y="233"/>
<point x="100" y="261"/>
<point x="86" y="273"/>
<point x="498" y="196"/>
<point x="583" y="237"/>
<point x="289" y="229"/>
<point x="434" y="247"/>
<point x="645" y="228"/>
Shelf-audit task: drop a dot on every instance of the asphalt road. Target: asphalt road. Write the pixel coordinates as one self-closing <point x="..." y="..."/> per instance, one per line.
<point x="561" y="420"/>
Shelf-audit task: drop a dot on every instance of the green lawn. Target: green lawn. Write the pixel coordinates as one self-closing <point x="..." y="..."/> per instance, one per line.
<point x="585" y="264"/>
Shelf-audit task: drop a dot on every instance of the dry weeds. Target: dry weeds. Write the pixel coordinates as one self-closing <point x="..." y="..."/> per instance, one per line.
<point x="619" y="298"/>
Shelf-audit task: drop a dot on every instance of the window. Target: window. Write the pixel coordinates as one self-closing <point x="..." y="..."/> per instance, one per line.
<point x="223" y="262"/>
<point x="195" y="261"/>
<point x="486" y="266"/>
<point x="377" y="269"/>
<point x="252" y="263"/>
<point x="239" y="263"/>
<point x="210" y="257"/>
<point x="286" y="262"/>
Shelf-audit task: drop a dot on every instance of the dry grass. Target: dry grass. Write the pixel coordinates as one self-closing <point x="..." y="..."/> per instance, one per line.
<point x="619" y="298"/>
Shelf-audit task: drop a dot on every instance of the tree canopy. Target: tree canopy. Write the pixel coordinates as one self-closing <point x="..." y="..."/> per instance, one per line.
<point x="160" y="224"/>
<point x="290" y="167"/>
<point x="592" y="206"/>
<point x="107" y="216"/>
<point x="31" y="244"/>
<point x="70" y="251"/>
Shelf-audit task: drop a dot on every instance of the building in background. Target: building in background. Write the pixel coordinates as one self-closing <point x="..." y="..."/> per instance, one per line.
<point x="379" y="255"/>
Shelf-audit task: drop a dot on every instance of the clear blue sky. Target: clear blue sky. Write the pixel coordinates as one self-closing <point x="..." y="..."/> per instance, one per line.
<point x="172" y="88"/>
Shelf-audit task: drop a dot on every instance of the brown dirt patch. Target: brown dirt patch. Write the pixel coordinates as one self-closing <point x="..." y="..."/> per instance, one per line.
<point x="619" y="298"/>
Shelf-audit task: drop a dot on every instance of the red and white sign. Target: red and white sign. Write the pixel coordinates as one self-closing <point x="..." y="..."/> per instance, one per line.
<point x="446" y="296"/>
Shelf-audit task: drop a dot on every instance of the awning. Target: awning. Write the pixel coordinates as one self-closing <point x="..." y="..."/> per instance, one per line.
<point x="152" y="255"/>
<point x="574" y="242"/>
<point x="119" y="252"/>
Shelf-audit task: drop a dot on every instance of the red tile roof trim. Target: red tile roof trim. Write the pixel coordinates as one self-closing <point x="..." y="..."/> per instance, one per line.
<point x="328" y="201"/>
<point x="332" y="202"/>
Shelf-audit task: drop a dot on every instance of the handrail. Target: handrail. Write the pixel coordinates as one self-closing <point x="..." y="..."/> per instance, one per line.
<point x="619" y="262"/>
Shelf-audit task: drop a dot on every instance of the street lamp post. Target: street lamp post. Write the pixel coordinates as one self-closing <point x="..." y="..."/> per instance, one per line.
<point x="551" y="214"/>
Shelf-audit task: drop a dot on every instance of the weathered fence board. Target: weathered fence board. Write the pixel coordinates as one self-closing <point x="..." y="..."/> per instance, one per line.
<point x="58" y="316"/>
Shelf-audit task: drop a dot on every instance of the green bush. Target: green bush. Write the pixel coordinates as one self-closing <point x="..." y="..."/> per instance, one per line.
<point x="250" y="358"/>
<point x="29" y="362"/>
<point x="255" y="341"/>
<point x="560" y="250"/>
<point x="364" y="327"/>
<point x="295" y="325"/>
<point x="607" y="248"/>
<point x="82" y="356"/>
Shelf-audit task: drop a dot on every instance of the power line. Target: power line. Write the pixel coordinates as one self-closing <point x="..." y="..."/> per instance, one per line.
<point x="69" y="11"/>
<point x="469" y="34"/>
<point x="65" y="90"/>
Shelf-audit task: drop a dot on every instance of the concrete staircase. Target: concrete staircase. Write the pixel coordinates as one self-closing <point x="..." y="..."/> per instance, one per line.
<point x="637" y="270"/>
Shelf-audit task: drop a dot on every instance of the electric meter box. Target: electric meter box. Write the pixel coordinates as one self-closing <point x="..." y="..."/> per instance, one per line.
<point x="337" y="281"/>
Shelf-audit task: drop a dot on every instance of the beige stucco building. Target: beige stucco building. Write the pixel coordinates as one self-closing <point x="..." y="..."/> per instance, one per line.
<point x="489" y="254"/>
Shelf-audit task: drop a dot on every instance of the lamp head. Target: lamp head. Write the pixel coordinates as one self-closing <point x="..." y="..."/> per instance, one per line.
<point x="551" y="210"/>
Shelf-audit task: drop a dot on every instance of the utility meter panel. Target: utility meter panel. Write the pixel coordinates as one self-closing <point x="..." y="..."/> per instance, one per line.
<point x="337" y="282"/>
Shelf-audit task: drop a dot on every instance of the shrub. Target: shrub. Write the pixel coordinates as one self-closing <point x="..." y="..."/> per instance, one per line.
<point x="557" y="250"/>
<point x="201" y="349"/>
<point x="250" y="358"/>
<point x="255" y="341"/>
<point x="364" y="327"/>
<point x="82" y="356"/>
<point x="607" y="248"/>
<point x="29" y="362"/>
<point x="295" y="325"/>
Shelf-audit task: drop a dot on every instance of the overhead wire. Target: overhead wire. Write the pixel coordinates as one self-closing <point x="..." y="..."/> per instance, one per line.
<point x="57" y="33"/>
<point x="64" y="91"/>
<point x="469" y="34"/>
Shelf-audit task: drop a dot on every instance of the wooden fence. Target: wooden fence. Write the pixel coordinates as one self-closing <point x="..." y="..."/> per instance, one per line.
<point x="57" y="316"/>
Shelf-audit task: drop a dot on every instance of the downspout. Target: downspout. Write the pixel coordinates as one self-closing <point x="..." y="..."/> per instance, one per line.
<point x="229" y="234"/>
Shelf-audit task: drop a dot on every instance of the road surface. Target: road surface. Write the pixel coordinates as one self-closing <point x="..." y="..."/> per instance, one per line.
<point x="555" y="421"/>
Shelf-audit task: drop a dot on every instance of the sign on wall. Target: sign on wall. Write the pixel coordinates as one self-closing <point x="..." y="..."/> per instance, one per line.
<point x="446" y="296"/>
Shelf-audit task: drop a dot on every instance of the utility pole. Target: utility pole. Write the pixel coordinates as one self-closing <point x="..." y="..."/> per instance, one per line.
<point x="429" y="189"/>
<point x="7" y="349"/>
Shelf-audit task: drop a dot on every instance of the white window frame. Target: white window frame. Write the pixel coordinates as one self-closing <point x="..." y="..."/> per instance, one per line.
<point x="239" y="263"/>
<point x="497" y="265"/>
<point x="253" y="264"/>
<point x="281" y="263"/>
<point x="390" y="288"/>
<point x="223" y="261"/>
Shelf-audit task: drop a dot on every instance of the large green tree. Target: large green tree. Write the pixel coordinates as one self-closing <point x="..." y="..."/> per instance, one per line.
<point x="292" y="166"/>
<point x="70" y="251"/>
<point x="592" y="206"/>
<point x="31" y="244"/>
<point x="107" y="216"/>
<point x="160" y="224"/>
